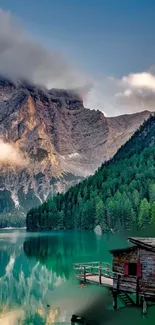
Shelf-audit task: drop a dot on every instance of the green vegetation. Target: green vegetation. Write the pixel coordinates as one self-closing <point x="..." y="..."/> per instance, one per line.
<point x="9" y="215"/>
<point x="121" y="194"/>
<point x="15" y="218"/>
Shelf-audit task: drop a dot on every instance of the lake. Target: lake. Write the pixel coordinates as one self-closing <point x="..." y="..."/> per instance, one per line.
<point x="38" y="286"/>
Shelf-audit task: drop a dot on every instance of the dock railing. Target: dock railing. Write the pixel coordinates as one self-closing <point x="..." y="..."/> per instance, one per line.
<point x="84" y="270"/>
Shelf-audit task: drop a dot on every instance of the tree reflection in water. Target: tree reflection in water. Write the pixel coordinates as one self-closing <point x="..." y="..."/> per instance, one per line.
<point x="36" y="273"/>
<point x="53" y="252"/>
<point x="58" y="252"/>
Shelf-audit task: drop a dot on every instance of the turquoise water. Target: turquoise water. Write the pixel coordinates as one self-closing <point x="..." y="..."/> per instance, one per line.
<point x="38" y="286"/>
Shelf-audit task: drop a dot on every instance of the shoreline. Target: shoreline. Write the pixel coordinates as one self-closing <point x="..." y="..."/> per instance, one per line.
<point x="7" y="228"/>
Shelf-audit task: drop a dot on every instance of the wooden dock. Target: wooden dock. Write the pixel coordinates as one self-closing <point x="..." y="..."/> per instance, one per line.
<point x="130" y="278"/>
<point x="100" y="273"/>
<point x="107" y="282"/>
<point x="95" y="272"/>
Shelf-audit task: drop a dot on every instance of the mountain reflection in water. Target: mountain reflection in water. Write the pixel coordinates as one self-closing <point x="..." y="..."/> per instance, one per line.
<point x="37" y="284"/>
<point x="36" y="275"/>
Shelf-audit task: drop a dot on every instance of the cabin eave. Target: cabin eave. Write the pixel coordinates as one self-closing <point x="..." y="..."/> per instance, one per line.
<point x="121" y="250"/>
<point x="145" y="243"/>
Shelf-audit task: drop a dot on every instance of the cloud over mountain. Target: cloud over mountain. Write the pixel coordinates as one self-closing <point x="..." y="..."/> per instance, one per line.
<point x="23" y="57"/>
<point x="10" y="155"/>
<point x="137" y="91"/>
<point x="143" y="80"/>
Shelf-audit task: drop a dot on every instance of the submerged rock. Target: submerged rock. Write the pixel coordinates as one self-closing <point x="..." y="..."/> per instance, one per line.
<point x="98" y="230"/>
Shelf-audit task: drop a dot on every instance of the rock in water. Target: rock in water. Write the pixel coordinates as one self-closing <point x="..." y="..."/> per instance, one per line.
<point x="98" y="230"/>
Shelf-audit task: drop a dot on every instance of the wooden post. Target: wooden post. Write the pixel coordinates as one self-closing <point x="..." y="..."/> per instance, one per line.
<point x="100" y="273"/>
<point x="114" y="300"/>
<point x="84" y="275"/>
<point x="144" y="306"/>
<point x="137" y="292"/>
<point x="73" y="320"/>
<point x="118" y="278"/>
<point x="108" y="268"/>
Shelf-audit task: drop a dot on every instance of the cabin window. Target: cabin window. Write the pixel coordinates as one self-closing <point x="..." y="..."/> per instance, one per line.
<point x="132" y="269"/>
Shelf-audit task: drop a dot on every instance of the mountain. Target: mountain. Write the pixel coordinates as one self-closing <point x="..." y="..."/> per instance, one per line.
<point x="120" y="195"/>
<point x="50" y="141"/>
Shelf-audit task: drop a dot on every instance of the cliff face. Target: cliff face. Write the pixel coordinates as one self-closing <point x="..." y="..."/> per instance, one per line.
<point x="55" y="142"/>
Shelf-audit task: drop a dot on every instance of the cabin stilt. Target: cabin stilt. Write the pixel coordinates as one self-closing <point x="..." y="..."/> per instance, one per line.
<point x="114" y="300"/>
<point x="84" y="275"/>
<point x="137" y="299"/>
<point x="100" y="274"/>
<point x="137" y="293"/>
<point x="144" y="306"/>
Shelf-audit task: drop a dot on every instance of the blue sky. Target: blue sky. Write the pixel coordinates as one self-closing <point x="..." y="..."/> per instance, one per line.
<point x="109" y="37"/>
<point x="100" y="38"/>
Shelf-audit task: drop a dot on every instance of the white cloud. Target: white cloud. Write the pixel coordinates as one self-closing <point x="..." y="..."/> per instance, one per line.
<point x="127" y="92"/>
<point x="11" y="155"/>
<point x="23" y="57"/>
<point x="136" y="92"/>
<point x="143" y="80"/>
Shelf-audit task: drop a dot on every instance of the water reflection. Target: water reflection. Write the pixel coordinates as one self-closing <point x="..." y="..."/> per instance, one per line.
<point x="53" y="252"/>
<point x="36" y="283"/>
<point x="59" y="252"/>
<point x="27" y="284"/>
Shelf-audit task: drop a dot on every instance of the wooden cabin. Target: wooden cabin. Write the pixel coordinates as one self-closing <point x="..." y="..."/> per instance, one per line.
<point x="133" y="272"/>
<point x="134" y="268"/>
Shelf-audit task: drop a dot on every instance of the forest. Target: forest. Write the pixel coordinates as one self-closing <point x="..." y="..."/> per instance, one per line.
<point x="120" y="195"/>
<point x="15" y="219"/>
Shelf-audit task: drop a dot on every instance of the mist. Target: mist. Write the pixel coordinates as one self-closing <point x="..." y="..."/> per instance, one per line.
<point x="24" y="58"/>
<point x="11" y="317"/>
<point x="10" y="155"/>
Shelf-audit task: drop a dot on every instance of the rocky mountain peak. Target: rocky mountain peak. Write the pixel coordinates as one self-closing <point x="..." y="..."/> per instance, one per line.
<point x="59" y="141"/>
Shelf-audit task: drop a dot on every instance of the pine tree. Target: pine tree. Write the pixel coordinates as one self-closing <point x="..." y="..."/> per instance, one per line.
<point x="151" y="193"/>
<point x="153" y="212"/>
<point x="144" y="214"/>
<point x="136" y="200"/>
<point x="99" y="211"/>
<point x="60" y="222"/>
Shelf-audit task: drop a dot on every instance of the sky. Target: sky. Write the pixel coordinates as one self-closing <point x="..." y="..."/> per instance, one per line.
<point x="104" y="46"/>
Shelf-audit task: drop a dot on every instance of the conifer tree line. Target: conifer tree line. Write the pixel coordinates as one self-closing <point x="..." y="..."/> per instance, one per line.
<point x="120" y="195"/>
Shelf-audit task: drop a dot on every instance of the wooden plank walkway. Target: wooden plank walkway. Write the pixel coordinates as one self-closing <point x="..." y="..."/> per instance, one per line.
<point x="107" y="282"/>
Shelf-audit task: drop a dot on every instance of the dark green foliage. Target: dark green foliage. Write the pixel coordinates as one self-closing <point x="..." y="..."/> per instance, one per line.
<point x="9" y="215"/>
<point x="121" y="194"/>
<point x="15" y="218"/>
<point x="6" y="202"/>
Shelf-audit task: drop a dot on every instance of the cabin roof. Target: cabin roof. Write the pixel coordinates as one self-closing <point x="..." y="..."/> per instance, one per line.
<point x="123" y="249"/>
<point x="145" y="242"/>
